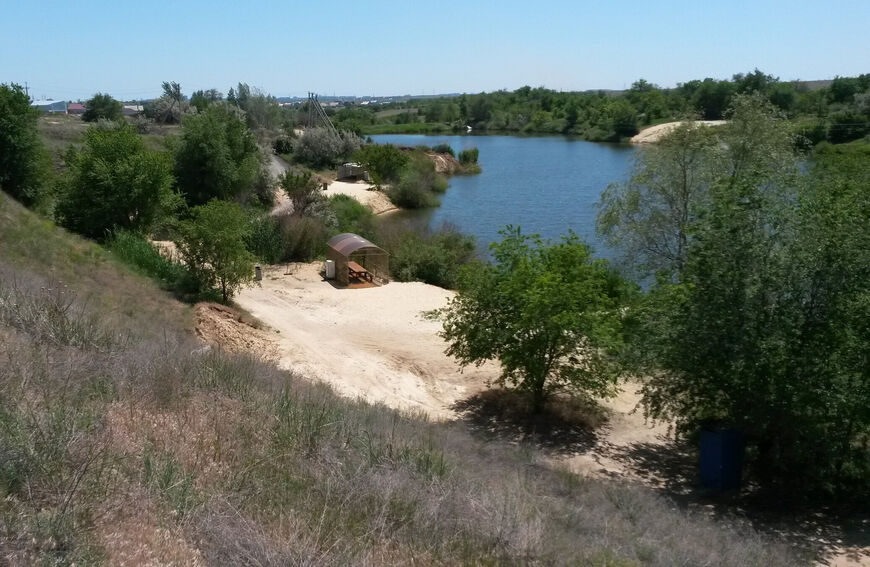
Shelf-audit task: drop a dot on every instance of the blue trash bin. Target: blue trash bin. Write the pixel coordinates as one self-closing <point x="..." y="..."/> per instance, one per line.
<point x="721" y="459"/>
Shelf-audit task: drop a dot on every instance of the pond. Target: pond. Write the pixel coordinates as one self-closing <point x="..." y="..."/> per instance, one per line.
<point x="546" y="185"/>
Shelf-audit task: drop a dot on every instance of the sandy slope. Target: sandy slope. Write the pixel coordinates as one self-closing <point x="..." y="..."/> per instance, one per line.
<point x="655" y="133"/>
<point x="362" y="192"/>
<point x="373" y="343"/>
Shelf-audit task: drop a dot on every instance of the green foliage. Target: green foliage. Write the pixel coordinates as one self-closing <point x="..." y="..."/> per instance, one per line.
<point x="264" y="239"/>
<point x="417" y="185"/>
<point x="549" y="313"/>
<point x="765" y="328"/>
<point x="320" y="147"/>
<point x="134" y="250"/>
<point x="469" y="156"/>
<point x="217" y="156"/>
<point x="22" y="157"/>
<point x="353" y="216"/>
<point x="384" y="162"/>
<point x="434" y="258"/>
<point x="303" y="190"/>
<point x="303" y="238"/>
<point x="212" y="245"/>
<point x="202" y="99"/>
<point x="102" y="107"/>
<point x="443" y="148"/>
<point x="283" y="145"/>
<point x="649" y="218"/>
<point x="114" y="183"/>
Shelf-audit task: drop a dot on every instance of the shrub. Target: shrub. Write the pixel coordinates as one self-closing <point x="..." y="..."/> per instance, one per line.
<point x="417" y="185"/>
<point x="430" y="257"/>
<point x="444" y="148"/>
<point x="321" y="147"/>
<point x="136" y="252"/>
<point x="283" y="145"/>
<point x="383" y="162"/>
<point x="302" y="189"/>
<point x="102" y="107"/>
<point x="353" y="216"/>
<point x="467" y="157"/>
<point x="302" y="238"/>
<point x="264" y="239"/>
<point x="115" y="183"/>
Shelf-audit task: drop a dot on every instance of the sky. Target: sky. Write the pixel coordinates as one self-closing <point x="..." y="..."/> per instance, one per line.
<point x="72" y="49"/>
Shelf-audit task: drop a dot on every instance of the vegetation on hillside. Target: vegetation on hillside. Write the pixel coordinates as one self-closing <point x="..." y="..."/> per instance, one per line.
<point x="124" y="440"/>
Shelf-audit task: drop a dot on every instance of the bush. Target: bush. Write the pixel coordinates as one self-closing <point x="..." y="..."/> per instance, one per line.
<point x="417" y="185"/>
<point x="102" y="107"/>
<point x="353" y="216"/>
<point x="320" y="147"/>
<point x="303" y="190"/>
<point x="136" y="252"/>
<point x="430" y="257"/>
<point x="444" y="148"/>
<point x="283" y="145"/>
<point x="302" y="238"/>
<point x="384" y="162"/>
<point x="114" y="183"/>
<point x="264" y="239"/>
<point x="467" y="157"/>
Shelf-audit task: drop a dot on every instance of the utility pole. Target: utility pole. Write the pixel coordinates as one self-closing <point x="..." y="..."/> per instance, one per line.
<point x="26" y="89"/>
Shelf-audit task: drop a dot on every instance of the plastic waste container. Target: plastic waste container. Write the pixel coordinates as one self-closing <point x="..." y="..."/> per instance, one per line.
<point x="721" y="459"/>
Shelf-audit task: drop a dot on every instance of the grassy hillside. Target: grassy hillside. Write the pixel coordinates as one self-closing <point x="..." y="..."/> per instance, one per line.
<point x="122" y="439"/>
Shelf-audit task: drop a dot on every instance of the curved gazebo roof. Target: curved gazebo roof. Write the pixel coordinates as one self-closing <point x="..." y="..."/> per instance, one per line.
<point x="347" y="243"/>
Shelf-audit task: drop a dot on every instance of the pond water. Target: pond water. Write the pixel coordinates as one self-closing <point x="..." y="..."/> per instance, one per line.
<point x="546" y="185"/>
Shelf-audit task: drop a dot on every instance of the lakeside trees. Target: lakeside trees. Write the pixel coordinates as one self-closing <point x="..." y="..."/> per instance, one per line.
<point x="761" y="326"/>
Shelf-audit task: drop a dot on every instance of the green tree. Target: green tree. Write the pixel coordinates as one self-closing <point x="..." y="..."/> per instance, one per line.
<point x="114" y="183"/>
<point x="22" y="155"/>
<point x="102" y="106"/>
<point x="383" y="161"/>
<point x="547" y="312"/>
<point x="649" y="218"/>
<point x="216" y="157"/>
<point x="212" y="245"/>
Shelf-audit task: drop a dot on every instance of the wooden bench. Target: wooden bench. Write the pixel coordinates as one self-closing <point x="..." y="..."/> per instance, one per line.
<point x="354" y="270"/>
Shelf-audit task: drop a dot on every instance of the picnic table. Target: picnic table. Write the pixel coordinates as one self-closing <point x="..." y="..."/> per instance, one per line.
<point x="354" y="270"/>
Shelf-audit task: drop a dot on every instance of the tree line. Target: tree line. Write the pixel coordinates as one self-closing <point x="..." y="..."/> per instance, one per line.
<point x="837" y="112"/>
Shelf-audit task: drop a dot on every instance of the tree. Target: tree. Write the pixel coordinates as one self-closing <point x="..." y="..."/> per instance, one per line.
<point x="649" y="218"/>
<point x="202" y="99"/>
<point x="102" y="106"/>
<point x="172" y="91"/>
<point x="321" y="147"/>
<point x="212" y="244"/>
<point x="547" y="312"/>
<point x="216" y="157"/>
<point x="383" y="161"/>
<point x="22" y="155"/>
<point x="114" y="183"/>
<point x="766" y="329"/>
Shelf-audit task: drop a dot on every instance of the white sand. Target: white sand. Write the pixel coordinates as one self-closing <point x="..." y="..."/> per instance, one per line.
<point x="373" y="343"/>
<point x="377" y="201"/>
<point x="655" y="133"/>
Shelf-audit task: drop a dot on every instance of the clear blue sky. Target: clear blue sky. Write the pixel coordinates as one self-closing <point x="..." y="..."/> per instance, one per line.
<point x="73" y="48"/>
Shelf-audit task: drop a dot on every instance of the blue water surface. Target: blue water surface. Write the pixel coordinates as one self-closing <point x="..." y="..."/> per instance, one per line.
<point x="546" y="185"/>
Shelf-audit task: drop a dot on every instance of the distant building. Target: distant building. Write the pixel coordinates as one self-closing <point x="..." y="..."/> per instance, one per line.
<point x="49" y="106"/>
<point x="132" y="109"/>
<point x="75" y="108"/>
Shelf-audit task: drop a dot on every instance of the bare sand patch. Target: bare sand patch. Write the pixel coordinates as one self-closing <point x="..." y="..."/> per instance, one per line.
<point x="655" y="133"/>
<point x="366" y="194"/>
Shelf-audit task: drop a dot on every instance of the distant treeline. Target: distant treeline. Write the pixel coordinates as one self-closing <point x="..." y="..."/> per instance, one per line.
<point x="839" y="112"/>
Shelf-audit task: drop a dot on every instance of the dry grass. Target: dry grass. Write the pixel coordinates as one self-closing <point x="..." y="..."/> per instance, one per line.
<point x="123" y="441"/>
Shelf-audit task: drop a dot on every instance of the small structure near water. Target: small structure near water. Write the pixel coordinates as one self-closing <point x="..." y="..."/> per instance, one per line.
<point x="357" y="261"/>
<point x="353" y="171"/>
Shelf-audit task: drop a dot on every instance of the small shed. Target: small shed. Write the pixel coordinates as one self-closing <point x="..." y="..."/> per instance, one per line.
<point x="352" y="171"/>
<point x="348" y="250"/>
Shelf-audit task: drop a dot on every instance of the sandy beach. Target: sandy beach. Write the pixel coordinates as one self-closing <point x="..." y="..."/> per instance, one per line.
<point x="655" y="133"/>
